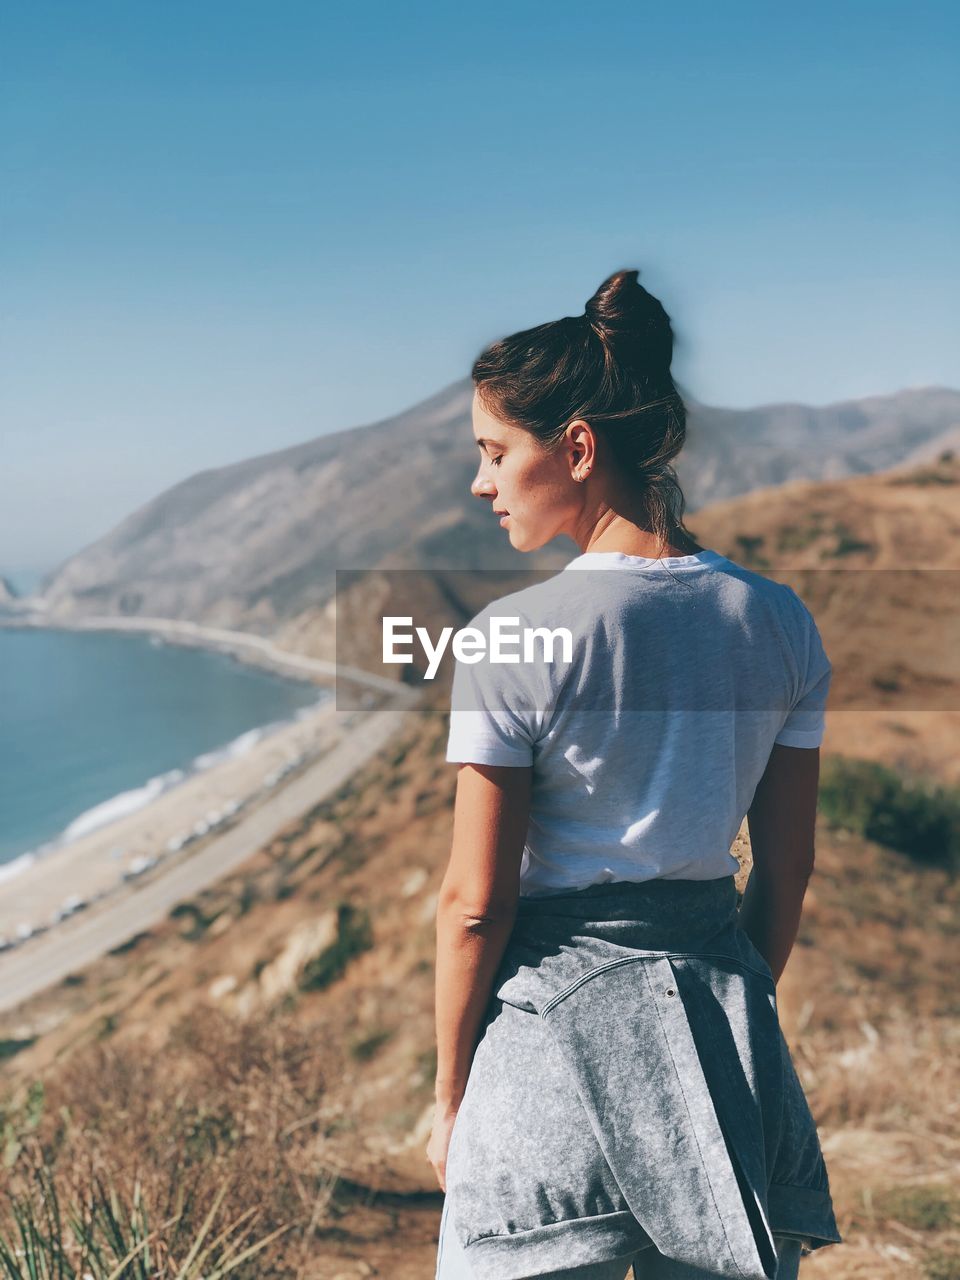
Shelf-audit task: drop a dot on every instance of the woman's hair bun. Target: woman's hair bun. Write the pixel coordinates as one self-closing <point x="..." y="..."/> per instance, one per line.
<point x="632" y="323"/>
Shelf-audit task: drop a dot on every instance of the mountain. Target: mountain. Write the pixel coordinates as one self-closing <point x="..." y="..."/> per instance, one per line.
<point x="255" y="545"/>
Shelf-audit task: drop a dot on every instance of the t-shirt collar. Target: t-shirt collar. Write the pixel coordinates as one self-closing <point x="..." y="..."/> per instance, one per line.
<point x="620" y="560"/>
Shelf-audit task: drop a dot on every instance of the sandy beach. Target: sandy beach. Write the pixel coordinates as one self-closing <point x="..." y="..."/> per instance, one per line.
<point x="82" y="876"/>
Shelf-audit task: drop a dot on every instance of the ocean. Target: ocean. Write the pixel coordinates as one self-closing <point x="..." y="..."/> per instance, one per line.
<point x="96" y="724"/>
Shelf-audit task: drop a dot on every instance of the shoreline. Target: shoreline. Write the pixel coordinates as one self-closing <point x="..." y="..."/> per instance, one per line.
<point x="56" y="880"/>
<point x="258" y="651"/>
<point x="43" y="962"/>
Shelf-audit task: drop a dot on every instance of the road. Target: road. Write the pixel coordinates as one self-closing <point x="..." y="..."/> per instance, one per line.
<point x="76" y="942"/>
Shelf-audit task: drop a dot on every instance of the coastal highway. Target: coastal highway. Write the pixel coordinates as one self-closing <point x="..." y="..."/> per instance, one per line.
<point x="66" y="948"/>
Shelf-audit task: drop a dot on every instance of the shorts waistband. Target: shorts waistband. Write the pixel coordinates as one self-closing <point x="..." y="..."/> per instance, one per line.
<point x="615" y="896"/>
<point x="650" y="913"/>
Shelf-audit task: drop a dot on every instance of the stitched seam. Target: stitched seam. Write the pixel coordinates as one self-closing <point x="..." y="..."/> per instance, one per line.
<point x="558" y="1222"/>
<point x="783" y="1106"/>
<point x="655" y="955"/>
<point x="693" y="1130"/>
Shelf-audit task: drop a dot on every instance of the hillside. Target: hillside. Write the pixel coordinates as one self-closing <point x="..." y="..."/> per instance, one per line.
<point x="875" y="558"/>
<point x="255" y="545"/>
<point x="867" y="1003"/>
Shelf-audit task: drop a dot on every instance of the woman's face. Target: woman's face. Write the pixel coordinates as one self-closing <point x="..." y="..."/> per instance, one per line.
<point x="517" y="476"/>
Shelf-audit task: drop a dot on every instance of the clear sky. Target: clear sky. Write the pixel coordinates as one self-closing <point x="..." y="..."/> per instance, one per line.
<point x="230" y="226"/>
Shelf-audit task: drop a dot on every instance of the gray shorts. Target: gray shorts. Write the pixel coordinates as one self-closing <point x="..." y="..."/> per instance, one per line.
<point x="631" y="1095"/>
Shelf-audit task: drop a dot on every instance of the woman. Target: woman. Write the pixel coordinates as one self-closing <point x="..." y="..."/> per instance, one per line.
<point x="613" y="1087"/>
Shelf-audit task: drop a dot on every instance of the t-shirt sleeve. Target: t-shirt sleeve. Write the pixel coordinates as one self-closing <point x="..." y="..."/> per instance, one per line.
<point x="806" y="719"/>
<point x="495" y="709"/>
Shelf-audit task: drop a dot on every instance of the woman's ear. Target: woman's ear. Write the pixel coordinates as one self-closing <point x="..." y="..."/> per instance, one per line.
<point x="582" y="448"/>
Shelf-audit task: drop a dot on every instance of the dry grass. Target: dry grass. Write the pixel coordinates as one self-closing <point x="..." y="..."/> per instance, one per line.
<point x="227" y="1102"/>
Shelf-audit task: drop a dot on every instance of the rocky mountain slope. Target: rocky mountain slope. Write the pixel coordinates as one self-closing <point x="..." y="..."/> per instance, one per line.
<point x="255" y="545"/>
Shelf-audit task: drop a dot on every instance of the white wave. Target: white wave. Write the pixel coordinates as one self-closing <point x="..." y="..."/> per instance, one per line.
<point x="119" y="806"/>
<point x="238" y="747"/>
<point x="313" y="707"/>
<point x="13" y="868"/>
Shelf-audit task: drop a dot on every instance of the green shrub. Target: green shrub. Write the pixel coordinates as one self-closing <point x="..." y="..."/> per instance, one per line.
<point x="199" y="921"/>
<point x="249" y="896"/>
<point x="942" y="1264"/>
<point x="107" y="1024"/>
<point x="749" y="550"/>
<point x="934" y="477"/>
<point x="919" y="820"/>
<point x="940" y="473"/>
<point x="10" y="1047"/>
<point x="131" y="944"/>
<point x="846" y="542"/>
<point x="926" y="1207"/>
<point x="427" y="1062"/>
<point x="353" y="936"/>
<point x="797" y="537"/>
<point x="364" y="1048"/>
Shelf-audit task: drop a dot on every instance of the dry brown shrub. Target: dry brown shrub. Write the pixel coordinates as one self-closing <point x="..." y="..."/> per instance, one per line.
<point x="225" y="1101"/>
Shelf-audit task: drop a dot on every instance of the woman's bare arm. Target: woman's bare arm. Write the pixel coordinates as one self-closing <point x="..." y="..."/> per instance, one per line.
<point x="476" y="911"/>
<point x="781" y="821"/>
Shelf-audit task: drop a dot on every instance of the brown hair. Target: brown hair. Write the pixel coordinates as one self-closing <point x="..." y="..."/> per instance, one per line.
<point x="611" y="367"/>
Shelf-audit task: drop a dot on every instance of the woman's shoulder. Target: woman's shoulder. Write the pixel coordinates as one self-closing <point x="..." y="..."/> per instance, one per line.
<point x="541" y="600"/>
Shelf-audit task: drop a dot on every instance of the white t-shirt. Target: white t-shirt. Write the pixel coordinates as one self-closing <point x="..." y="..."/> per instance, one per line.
<point x="647" y="746"/>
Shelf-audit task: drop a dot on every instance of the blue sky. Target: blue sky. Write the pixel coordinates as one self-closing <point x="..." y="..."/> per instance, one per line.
<point x="230" y="226"/>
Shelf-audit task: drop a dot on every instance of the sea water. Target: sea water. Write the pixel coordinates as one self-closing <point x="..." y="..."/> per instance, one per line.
<point x="94" y="725"/>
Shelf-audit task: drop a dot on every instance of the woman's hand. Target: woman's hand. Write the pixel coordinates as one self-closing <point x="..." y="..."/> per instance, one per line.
<point x="443" y="1122"/>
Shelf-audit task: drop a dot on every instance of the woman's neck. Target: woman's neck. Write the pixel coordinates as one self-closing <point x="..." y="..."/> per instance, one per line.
<point x="635" y="542"/>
